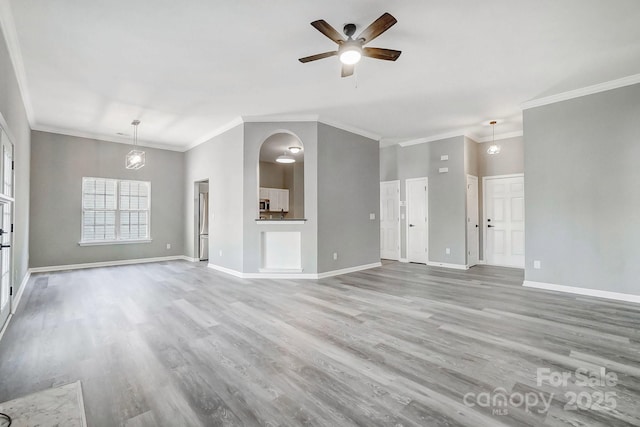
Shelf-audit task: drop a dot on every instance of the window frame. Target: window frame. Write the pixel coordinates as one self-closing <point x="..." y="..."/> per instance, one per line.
<point x="118" y="210"/>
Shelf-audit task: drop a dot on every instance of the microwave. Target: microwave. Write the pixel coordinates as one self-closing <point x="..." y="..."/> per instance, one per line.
<point x="264" y="205"/>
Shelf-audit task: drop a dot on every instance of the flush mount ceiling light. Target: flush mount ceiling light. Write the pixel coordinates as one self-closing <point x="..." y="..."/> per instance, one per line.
<point x="135" y="158"/>
<point x="351" y="50"/>
<point x="493" y="148"/>
<point x="285" y="158"/>
<point x="295" y="150"/>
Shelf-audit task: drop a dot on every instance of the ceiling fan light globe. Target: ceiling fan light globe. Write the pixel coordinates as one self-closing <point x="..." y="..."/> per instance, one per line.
<point x="350" y="56"/>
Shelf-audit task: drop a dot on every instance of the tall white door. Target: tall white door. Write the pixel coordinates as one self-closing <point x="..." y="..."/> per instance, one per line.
<point x="473" y="227"/>
<point x="390" y="220"/>
<point x="417" y="220"/>
<point x="6" y="221"/>
<point x="504" y="220"/>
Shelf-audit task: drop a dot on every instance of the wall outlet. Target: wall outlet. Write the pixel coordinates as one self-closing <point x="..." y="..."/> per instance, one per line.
<point x="444" y="157"/>
<point x="537" y="264"/>
<point x="168" y="246"/>
<point x="372" y="216"/>
<point x="335" y="256"/>
<point x="443" y="170"/>
<point x="447" y="251"/>
<point x="220" y="252"/>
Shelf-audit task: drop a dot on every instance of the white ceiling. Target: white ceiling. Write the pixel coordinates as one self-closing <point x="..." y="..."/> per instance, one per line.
<point x="188" y="69"/>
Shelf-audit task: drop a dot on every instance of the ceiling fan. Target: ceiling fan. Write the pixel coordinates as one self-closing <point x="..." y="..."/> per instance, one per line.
<point x="351" y="50"/>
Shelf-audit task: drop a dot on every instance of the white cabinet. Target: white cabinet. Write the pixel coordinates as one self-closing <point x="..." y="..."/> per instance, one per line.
<point x="278" y="198"/>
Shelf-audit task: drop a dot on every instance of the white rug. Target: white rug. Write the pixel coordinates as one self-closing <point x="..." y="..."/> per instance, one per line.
<point x="55" y="407"/>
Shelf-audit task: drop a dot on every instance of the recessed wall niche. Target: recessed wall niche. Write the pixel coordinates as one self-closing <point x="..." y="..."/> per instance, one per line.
<point x="281" y="177"/>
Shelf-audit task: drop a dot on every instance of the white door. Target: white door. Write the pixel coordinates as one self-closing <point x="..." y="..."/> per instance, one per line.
<point x="6" y="221"/>
<point x="417" y="220"/>
<point x="504" y="220"/>
<point x="473" y="228"/>
<point x="390" y="220"/>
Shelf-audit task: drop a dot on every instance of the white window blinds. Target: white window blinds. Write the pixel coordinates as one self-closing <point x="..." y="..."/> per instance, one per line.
<point x="114" y="210"/>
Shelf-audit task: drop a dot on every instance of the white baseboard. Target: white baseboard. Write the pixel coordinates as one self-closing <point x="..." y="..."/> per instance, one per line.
<point x="18" y="297"/>
<point x="582" y="291"/>
<point x="15" y="302"/>
<point x="265" y="275"/>
<point x="445" y="265"/>
<point x="187" y="258"/>
<point x="104" y="264"/>
<point x="481" y="262"/>
<point x="405" y="260"/>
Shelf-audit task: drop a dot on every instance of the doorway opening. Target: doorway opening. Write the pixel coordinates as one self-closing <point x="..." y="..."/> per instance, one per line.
<point x="201" y="220"/>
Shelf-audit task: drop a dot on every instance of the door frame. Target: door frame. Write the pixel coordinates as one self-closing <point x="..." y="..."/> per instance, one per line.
<point x="399" y="228"/>
<point x="426" y="209"/>
<point x="196" y="217"/>
<point x="484" y="210"/>
<point x="478" y="219"/>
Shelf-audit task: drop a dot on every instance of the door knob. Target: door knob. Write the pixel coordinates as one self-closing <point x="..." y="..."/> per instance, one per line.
<point x="489" y="225"/>
<point x="411" y="225"/>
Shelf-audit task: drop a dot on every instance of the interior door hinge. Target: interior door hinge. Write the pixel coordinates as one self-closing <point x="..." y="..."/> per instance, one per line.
<point x="11" y="291"/>
<point x="13" y="164"/>
<point x="12" y="228"/>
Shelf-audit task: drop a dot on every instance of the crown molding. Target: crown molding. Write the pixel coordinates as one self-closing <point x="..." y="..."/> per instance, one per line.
<point x="577" y="93"/>
<point x="219" y="131"/>
<point x="280" y="118"/>
<point x="507" y="135"/>
<point x="438" y="137"/>
<point x="349" y="128"/>
<point x="11" y="38"/>
<point x="106" y="138"/>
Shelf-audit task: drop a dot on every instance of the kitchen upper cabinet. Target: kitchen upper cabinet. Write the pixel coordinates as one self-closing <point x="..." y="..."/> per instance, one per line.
<point x="278" y="198"/>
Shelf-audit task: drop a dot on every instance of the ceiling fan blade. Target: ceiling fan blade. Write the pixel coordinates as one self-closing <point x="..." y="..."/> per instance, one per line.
<point x="326" y="29"/>
<point x="379" y="53"/>
<point x="378" y="27"/>
<point x="318" y="56"/>
<point x="347" y="69"/>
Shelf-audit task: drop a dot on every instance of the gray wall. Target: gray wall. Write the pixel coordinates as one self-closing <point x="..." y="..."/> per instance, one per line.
<point x="254" y="135"/>
<point x="447" y="192"/>
<point x="58" y="163"/>
<point x="220" y="161"/>
<point x="272" y="175"/>
<point x="14" y="114"/>
<point x="582" y="193"/>
<point x="348" y="191"/>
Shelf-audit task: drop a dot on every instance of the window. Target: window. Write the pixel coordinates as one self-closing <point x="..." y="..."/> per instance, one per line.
<point x="115" y="210"/>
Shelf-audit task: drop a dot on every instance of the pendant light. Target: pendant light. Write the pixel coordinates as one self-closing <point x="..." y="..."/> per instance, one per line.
<point x="493" y="148"/>
<point x="285" y="158"/>
<point x="295" y="150"/>
<point x="135" y="158"/>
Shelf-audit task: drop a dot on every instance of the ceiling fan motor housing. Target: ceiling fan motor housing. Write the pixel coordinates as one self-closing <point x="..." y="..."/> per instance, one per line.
<point x="349" y="30"/>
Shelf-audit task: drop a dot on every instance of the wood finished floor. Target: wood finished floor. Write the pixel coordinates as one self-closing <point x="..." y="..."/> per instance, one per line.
<point x="177" y="344"/>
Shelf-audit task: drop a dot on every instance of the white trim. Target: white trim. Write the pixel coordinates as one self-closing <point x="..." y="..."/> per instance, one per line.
<point x="577" y="93"/>
<point x="467" y="216"/>
<point x="81" y="404"/>
<point x="18" y="297"/>
<point x="102" y="137"/>
<point x="405" y="260"/>
<point x="113" y="242"/>
<point x="188" y="258"/>
<point x="103" y="264"/>
<point x="280" y="270"/>
<point x="439" y="137"/>
<point x="582" y="291"/>
<point x="280" y="275"/>
<point x="349" y="128"/>
<point x="5" y="127"/>
<point x="507" y="135"/>
<point x="481" y="262"/>
<point x="15" y="302"/>
<point x="281" y="118"/>
<point x="13" y="46"/>
<point x="219" y="131"/>
<point x="280" y="221"/>
<point x="446" y="265"/>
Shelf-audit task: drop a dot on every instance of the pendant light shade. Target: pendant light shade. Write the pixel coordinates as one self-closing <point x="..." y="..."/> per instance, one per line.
<point x="493" y="148"/>
<point x="285" y="158"/>
<point x="135" y="158"/>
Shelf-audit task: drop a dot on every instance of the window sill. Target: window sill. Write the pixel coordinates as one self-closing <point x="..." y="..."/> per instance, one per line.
<point x="113" y="242"/>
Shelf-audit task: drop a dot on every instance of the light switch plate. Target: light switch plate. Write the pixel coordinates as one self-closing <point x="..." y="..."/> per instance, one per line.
<point x="444" y="157"/>
<point x="443" y="170"/>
